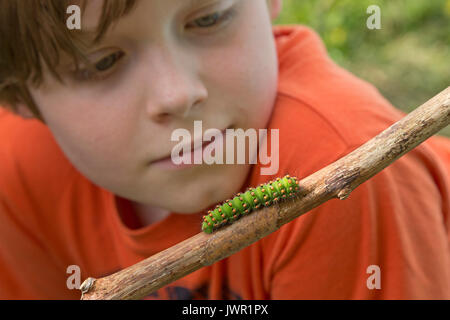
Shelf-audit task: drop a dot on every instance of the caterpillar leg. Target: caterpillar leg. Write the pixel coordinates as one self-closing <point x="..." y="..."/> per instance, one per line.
<point x="253" y="199"/>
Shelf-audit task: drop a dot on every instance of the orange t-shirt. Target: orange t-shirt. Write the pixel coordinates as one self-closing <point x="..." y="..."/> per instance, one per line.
<point x="52" y="217"/>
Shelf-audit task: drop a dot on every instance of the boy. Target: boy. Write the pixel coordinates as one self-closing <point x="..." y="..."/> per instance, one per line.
<point x="89" y="181"/>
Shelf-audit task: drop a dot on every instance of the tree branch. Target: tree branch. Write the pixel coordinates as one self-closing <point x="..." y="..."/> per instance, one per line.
<point x="337" y="180"/>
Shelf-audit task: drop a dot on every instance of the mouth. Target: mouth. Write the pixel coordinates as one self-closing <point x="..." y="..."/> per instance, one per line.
<point x="167" y="162"/>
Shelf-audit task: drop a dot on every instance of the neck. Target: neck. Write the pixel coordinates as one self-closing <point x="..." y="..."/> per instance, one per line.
<point x="149" y="214"/>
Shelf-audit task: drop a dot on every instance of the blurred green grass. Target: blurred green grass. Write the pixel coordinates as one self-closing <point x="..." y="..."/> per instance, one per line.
<point x="408" y="59"/>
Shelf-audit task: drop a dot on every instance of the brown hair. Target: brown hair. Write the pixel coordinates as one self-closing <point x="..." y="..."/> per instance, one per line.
<point x="35" y="32"/>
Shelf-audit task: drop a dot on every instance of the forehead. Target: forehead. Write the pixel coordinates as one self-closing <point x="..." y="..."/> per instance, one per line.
<point x="94" y="8"/>
<point x="92" y="13"/>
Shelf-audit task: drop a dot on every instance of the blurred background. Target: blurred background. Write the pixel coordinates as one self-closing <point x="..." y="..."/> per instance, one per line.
<point x="408" y="59"/>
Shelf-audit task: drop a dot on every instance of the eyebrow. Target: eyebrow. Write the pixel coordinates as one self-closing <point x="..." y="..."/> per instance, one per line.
<point x="193" y="3"/>
<point x="90" y="35"/>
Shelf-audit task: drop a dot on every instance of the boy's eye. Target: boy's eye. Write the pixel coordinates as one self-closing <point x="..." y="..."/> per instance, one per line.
<point x="99" y="69"/>
<point x="211" y="20"/>
<point x="108" y="62"/>
<point x="207" y="21"/>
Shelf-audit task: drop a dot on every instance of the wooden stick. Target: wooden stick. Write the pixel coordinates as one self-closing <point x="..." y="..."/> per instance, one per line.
<point x="337" y="180"/>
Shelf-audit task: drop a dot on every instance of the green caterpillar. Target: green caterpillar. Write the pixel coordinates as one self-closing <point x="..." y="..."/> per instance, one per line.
<point x="252" y="199"/>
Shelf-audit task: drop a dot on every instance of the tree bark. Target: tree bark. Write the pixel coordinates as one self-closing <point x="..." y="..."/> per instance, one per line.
<point x="337" y="180"/>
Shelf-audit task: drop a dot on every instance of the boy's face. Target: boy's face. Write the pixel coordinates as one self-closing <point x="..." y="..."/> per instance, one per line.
<point x="160" y="68"/>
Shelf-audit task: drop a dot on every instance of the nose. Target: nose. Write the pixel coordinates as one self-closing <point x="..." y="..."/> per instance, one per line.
<point x="174" y="88"/>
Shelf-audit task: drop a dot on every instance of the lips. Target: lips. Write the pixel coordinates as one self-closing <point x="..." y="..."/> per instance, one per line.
<point x="191" y="148"/>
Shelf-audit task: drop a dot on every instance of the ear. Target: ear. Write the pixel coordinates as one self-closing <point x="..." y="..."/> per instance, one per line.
<point x="23" y="111"/>
<point x="275" y="7"/>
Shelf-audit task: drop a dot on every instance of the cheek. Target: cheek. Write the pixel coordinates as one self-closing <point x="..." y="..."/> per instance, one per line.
<point x="245" y="72"/>
<point x="247" y="95"/>
<point x="93" y="133"/>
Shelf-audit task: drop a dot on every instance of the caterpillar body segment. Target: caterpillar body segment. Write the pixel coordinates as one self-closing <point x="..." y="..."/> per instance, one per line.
<point x="253" y="199"/>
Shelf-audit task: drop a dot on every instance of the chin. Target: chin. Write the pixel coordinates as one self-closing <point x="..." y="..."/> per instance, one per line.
<point x="201" y="201"/>
<point x="193" y="205"/>
<point x="205" y="190"/>
<point x="189" y="207"/>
